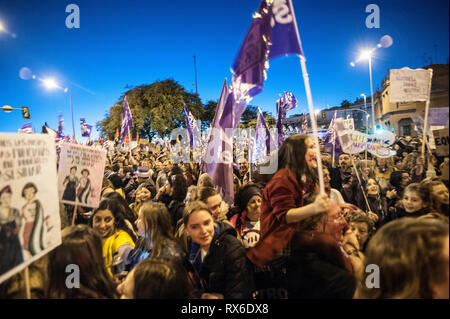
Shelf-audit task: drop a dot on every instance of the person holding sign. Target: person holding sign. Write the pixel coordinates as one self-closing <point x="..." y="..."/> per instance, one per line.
<point x="10" y="222"/>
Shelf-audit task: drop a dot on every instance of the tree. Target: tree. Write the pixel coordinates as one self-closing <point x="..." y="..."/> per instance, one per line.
<point x="208" y="114"/>
<point x="156" y="109"/>
<point x="345" y="103"/>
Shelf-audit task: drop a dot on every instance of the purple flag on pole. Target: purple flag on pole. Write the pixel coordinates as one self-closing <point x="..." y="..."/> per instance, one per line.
<point x="273" y="28"/>
<point x="285" y="39"/>
<point x="304" y="129"/>
<point x="192" y="127"/>
<point x="127" y="121"/>
<point x="330" y="139"/>
<point x="272" y="33"/>
<point x="60" y="126"/>
<point x="284" y="104"/>
<point x="188" y="126"/>
<point x="26" y="128"/>
<point x="85" y="128"/>
<point x="261" y="126"/>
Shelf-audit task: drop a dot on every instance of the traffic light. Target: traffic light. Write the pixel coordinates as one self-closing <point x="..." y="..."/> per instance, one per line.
<point x="323" y="115"/>
<point x="25" y="112"/>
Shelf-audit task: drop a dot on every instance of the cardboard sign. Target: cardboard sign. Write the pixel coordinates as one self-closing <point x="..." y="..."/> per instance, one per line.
<point x="80" y="175"/>
<point x="30" y="224"/>
<point x="441" y="140"/>
<point x="408" y="85"/>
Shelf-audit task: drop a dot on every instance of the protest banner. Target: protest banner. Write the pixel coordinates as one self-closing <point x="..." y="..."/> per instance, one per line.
<point x="80" y="175"/>
<point x="441" y="140"/>
<point x="353" y="142"/>
<point x="407" y="85"/>
<point x="30" y="224"/>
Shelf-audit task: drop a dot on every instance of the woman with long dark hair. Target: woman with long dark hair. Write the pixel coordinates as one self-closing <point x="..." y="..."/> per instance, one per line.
<point x="81" y="247"/>
<point x="282" y="204"/>
<point x="118" y="239"/>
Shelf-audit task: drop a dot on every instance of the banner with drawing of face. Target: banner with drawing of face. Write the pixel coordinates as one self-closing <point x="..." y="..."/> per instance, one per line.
<point x="80" y="175"/>
<point x="30" y="224"/>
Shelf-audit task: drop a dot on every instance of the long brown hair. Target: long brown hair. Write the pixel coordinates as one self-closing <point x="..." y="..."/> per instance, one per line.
<point x="159" y="225"/>
<point x="82" y="247"/>
<point x="408" y="252"/>
<point x="291" y="155"/>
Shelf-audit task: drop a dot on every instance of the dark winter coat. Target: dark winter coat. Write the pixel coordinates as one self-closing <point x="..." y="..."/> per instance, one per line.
<point x="225" y="269"/>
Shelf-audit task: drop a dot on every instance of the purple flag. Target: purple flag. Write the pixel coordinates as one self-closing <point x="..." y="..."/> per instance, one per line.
<point x="60" y="126"/>
<point x="220" y="171"/>
<point x="285" y="38"/>
<point x="192" y="127"/>
<point x="330" y="139"/>
<point x="26" y="128"/>
<point x="284" y="104"/>
<point x="188" y="126"/>
<point x="85" y="128"/>
<point x="304" y="129"/>
<point x="261" y="126"/>
<point x="127" y="121"/>
<point x="273" y="32"/>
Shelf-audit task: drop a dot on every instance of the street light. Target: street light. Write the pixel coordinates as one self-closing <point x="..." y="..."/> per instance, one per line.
<point x="385" y="42"/>
<point x="367" y="55"/>
<point x="51" y="83"/>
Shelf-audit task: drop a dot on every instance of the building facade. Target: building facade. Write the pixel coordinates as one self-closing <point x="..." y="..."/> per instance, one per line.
<point x="397" y="116"/>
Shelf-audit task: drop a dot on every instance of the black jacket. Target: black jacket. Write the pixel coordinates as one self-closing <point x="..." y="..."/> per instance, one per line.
<point x="317" y="269"/>
<point x="225" y="269"/>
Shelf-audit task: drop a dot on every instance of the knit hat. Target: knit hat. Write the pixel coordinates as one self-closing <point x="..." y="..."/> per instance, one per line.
<point x="143" y="172"/>
<point x="244" y="195"/>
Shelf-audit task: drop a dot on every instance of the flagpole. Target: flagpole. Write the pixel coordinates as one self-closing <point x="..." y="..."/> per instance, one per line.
<point x="427" y="104"/>
<point x="310" y="106"/>
<point x="360" y="184"/>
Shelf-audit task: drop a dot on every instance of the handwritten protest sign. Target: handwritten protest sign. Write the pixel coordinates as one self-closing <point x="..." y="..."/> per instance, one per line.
<point x="30" y="224"/>
<point x="353" y="142"/>
<point x="407" y="85"/>
<point x="80" y="175"/>
<point x="441" y="140"/>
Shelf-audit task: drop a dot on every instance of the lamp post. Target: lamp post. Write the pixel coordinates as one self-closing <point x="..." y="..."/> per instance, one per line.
<point x="51" y="84"/>
<point x="385" y="42"/>
<point x="71" y="110"/>
<point x="367" y="55"/>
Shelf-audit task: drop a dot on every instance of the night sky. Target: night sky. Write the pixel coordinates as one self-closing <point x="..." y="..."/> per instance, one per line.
<point x="131" y="42"/>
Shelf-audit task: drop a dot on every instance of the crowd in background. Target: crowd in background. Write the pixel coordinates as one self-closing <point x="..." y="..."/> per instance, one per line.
<point x="163" y="230"/>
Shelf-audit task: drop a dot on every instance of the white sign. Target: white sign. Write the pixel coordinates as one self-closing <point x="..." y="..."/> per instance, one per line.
<point x="80" y="175"/>
<point x="441" y="140"/>
<point x="353" y="142"/>
<point x="408" y="85"/>
<point x="30" y="224"/>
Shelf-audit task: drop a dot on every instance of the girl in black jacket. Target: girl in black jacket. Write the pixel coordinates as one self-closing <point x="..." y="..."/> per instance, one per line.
<point x="216" y="254"/>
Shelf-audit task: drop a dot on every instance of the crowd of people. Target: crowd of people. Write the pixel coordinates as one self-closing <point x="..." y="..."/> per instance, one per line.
<point x="163" y="230"/>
